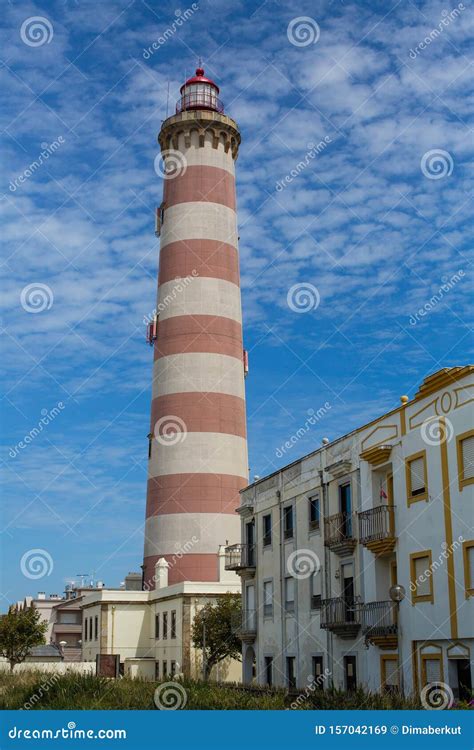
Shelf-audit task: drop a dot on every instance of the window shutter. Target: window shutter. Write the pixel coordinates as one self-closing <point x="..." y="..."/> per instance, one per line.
<point x="391" y="672"/>
<point x="470" y="566"/>
<point x="316" y="584"/>
<point x="422" y="575"/>
<point x="417" y="475"/>
<point x="468" y="457"/>
<point x="432" y="670"/>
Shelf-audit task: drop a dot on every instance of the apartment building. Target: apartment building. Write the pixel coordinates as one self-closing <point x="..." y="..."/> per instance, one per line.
<point x="357" y="561"/>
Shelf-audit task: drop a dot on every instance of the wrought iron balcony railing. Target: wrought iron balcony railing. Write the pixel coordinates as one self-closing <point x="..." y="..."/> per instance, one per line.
<point x="240" y="556"/>
<point x="379" y="623"/>
<point x="340" y="532"/>
<point x="376" y="523"/>
<point x="341" y="615"/>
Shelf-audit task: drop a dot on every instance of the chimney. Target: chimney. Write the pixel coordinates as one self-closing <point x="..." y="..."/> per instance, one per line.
<point x="161" y="573"/>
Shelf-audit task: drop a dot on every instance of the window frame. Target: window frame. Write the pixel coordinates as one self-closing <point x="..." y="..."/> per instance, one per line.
<point x="173" y="621"/>
<point x="269" y="611"/>
<point x="422" y="495"/>
<point x="157" y="626"/>
<point x="96" y="628"/>
<point x="165" y="626"/>
<point x="468" y="584"/>
<point x="288" y="512"/>
<point x="384" y="658"/>
<point x="290" y="604"/>
<point x="459" y="439"/>
<point x="268" y="666"/>
<point x="417" y="598"/>
<point x="266" y="538"/>
<point x="314" y="525"/>
<point x="318" y="680"/>
<point x="435" y="657"/>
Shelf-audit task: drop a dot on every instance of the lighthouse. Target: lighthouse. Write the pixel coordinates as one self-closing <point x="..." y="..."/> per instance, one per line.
<point x="197" y="457"/>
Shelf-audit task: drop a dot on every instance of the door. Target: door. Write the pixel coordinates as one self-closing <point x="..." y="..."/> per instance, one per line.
<point x="250" y="542"/>
<point x="350" y="673"/>
<point x="348" y="592"/>
<point x="463" y="669"/>
<point x="249" y="614"/>
<point x="345" y="509"/>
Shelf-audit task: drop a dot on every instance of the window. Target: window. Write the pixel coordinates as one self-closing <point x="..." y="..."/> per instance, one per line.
<point x="173" y="669"/>
<point x="157" y="670"/>
<point x="389" y="673"/>
<point x="157" y="626"/>
<point x="416" y="479"/>
<point x="468" y="557"/>
<point x="318" y="675"/>
<point x="85" y="631"/>
<point x="288" y="522"/>
<point x="150" y="441"/>
<point x="289" y="594"/>
<point x="268" y="670"/>
<point x="314" y="512"/>
<point x="431" y="668"/>
<point x="90" y="629"/>
<point x="421" y="577"/>
<point x="316" y="590"/>
<point x="267" y="530"/>
<point x="165" y="669"/>
<point x="96" y="628"/>
<point x="465" y="451"/>
<point x="267" y="598"/>
<point x="173" y="624"/>
<point x="290" y="672"/>
<point x="165" y="625"/>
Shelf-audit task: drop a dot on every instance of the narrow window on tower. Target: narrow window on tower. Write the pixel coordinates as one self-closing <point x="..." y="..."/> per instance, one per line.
<point x="173" y="624"/>
<point x="165" y="625"/>
<point x="150" y="441"/>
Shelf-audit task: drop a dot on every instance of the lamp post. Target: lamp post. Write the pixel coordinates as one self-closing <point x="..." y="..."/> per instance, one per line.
<point x="397" y="594"/>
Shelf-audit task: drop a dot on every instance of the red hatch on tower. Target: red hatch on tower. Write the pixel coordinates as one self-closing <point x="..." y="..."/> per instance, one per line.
<point x="199" y="92"/>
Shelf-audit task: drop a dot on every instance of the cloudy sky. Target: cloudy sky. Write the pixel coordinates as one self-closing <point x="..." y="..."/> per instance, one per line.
<point x="341" y="245"/>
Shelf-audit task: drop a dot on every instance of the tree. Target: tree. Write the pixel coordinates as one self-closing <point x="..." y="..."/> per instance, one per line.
<point x="214" y="631"/>
<point x="20" y="630"/>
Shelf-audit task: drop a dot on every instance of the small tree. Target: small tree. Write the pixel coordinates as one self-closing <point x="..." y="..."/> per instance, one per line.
<point x="213" y="631"/>
<point x="20" y="630"/>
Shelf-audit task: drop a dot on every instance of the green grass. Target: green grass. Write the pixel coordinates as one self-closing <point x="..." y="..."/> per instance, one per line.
<point x="35" y="690"/>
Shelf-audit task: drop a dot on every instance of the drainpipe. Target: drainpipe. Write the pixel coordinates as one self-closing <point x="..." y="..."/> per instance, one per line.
<point x="282" y="580"/>
<point x="327" y="571"/>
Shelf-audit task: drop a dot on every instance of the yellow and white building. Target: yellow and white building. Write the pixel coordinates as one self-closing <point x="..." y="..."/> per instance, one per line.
<point x="331" y="541"/>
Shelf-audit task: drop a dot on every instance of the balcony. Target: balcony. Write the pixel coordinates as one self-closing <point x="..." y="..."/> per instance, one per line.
<point x="379" y="624"/>
<point x="376" y="530"/>
<point x="241" y="558"/>
<point x="339" y="533"/>
<point x="245" y="625"/>
<point x="341" y="616"/>
<point x="199" y="100"/>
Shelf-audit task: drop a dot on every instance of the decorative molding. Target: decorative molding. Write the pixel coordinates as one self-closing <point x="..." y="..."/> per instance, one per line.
<point x="378" y="454"/>
<point x="384" y="432"/>
<point x="221" y="128"/>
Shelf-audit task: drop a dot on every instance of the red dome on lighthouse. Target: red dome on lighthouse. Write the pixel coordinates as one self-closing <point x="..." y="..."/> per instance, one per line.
<point x="199" y="92"/>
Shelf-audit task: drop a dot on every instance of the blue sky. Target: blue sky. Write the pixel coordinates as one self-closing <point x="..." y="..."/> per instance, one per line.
<point x="376" y="222"/>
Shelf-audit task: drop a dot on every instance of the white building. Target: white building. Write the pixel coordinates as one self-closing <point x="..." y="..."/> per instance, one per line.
<point x="150" y="631"/>
<point x="325" y="538"/>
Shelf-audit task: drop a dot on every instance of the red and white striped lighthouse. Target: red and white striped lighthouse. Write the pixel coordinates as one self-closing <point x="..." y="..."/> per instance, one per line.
<point x="198" y="446"/>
